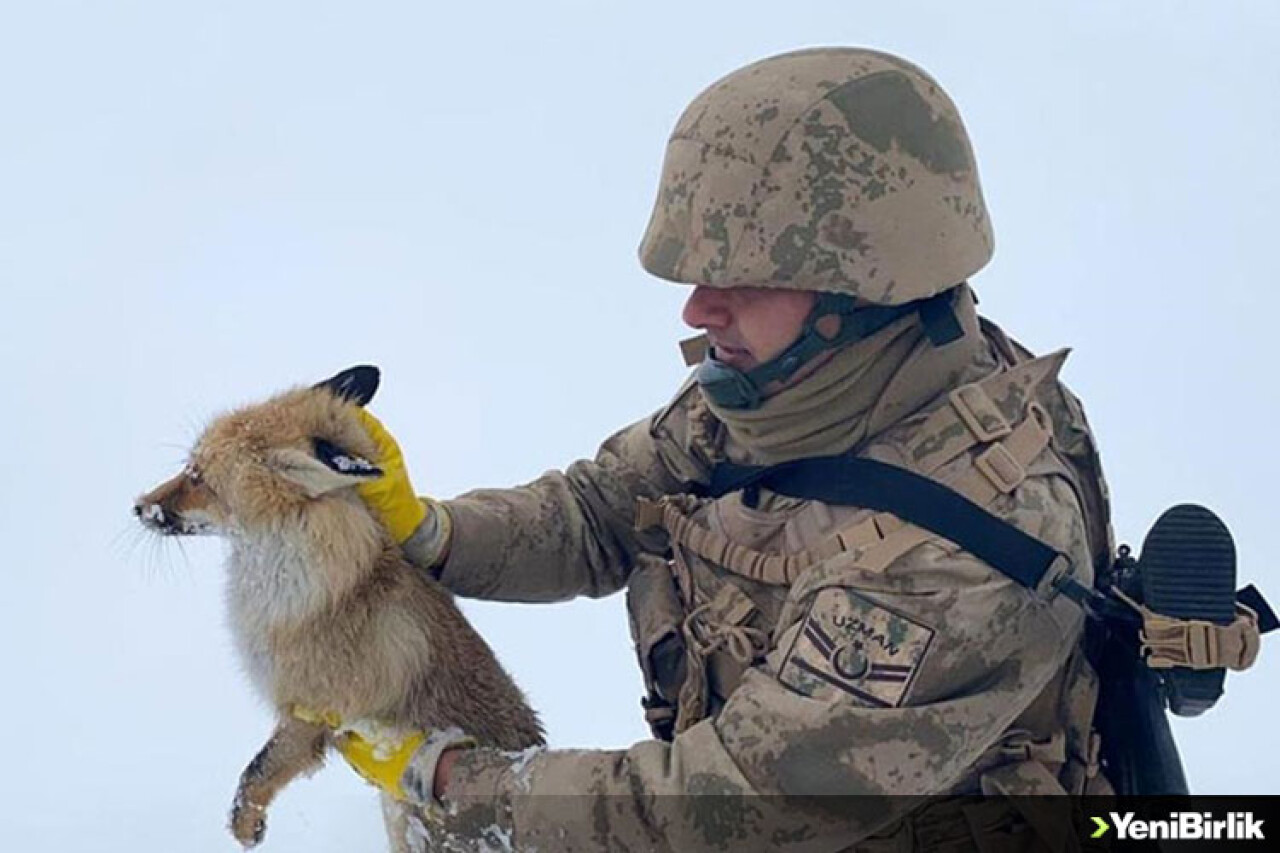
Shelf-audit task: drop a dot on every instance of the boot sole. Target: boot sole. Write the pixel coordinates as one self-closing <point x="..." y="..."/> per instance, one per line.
<point x="1188" y="571"/>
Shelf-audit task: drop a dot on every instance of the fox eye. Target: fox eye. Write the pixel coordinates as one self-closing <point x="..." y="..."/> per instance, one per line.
<point x="194" y="476"/>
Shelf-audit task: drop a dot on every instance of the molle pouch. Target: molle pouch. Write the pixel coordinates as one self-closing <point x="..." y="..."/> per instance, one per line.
<point x="656" y="613"/>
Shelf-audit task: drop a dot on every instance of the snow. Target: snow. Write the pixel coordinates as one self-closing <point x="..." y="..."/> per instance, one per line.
<point x="520" y="766"/>
<point x="351" y="464"/>
<point x="385" y="739"/>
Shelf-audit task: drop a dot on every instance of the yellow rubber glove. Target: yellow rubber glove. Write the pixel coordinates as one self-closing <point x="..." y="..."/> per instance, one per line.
<point x="380" y="762"/>
<point x="381" y="754"/>
<point x="391" y="496"/>
<point x="382" y="759"/>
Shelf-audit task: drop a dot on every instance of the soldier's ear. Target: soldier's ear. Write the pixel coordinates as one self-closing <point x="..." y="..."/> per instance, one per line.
<point x="326" y="468"/>
<point x="355" y="384"/>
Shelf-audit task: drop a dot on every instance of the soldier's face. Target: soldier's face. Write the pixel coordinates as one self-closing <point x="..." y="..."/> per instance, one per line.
<point x="748" y="325"/>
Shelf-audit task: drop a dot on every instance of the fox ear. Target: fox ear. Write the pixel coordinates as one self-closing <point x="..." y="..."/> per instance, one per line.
<point x="329" y="468"/>
<point x="355" y="384"/>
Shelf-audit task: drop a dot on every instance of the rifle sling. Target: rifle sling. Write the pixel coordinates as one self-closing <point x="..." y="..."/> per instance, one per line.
<point x="871" y="484"/>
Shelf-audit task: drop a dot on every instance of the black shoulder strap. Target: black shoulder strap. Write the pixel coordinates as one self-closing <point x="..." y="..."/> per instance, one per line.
<point x="852" y="481"/>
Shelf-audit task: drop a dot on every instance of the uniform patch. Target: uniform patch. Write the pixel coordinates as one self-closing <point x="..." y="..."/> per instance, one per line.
<point x="851" y="644"/>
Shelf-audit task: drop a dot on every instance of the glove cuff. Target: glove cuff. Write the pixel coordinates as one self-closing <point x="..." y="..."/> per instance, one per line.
<point x="428" y="545"/>
<point x="419" y="777"/>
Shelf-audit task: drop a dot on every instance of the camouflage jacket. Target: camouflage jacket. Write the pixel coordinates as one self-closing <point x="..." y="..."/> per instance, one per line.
<point x="906" y="669"/>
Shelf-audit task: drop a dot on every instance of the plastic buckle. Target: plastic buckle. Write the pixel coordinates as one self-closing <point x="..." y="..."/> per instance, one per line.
<point x="979" y="413"/>
<point x="1202" y="645"/>
<point x="1048" y="587"/>
<point x="1193" y="646"/>
<point x="1093" y="755"/>
<point x="999" y="466"/>
<point x="1019" y="746"/>
<point x="648" y="514"/>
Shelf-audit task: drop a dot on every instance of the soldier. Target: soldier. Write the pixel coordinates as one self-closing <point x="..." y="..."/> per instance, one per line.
<point x="825" y="205"/>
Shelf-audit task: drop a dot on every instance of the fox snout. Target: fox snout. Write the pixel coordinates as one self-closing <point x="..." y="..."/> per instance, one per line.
<point x="177" y="507"/>
<point x="153" y="515"/>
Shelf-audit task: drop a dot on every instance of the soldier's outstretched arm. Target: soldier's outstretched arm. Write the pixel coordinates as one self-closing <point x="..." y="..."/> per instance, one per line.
<point x="572" y="533"/>
<point x="951" y="654"/>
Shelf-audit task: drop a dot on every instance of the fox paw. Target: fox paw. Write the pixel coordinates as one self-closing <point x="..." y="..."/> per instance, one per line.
<point x="248" y="823"/>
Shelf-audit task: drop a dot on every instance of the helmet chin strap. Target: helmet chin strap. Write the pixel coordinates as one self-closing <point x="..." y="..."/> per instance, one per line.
<point x="731" y="388"/>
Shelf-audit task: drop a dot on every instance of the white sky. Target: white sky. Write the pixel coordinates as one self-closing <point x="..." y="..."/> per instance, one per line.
<point x="202" y="205"/>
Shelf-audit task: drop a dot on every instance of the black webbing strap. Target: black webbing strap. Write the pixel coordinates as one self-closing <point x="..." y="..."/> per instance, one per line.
<point x="1251" y="597"/>
<point x="938" y="316"/>
<point x="852" y="481"/>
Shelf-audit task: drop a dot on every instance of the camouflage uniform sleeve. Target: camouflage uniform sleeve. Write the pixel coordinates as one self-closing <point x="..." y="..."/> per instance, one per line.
<point x="943" y="654"/>
<point x="572" y="533"/>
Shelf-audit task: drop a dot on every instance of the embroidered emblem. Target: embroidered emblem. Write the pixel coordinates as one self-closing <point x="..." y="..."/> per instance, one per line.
<point x="852" y="644"/>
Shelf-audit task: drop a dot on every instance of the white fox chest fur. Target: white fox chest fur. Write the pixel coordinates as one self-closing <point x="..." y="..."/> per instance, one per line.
<point x="268" y="586"/>
<point x="282" y="580"/>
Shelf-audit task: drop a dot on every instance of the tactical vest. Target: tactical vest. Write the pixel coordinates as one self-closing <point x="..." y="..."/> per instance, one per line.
<point x="714" y="608"/>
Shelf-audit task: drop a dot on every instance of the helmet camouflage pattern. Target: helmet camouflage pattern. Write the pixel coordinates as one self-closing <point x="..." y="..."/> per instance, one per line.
<point x="842" y="170"/>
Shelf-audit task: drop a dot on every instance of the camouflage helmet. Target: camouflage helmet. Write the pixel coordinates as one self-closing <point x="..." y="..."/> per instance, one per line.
<point x="842" y="170"/>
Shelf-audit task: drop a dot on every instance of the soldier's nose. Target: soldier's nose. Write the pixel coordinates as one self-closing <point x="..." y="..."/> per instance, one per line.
<point x="706" y="308"/>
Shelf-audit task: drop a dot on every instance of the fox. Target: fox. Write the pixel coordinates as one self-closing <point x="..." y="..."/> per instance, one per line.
<point x="329" y="620"/>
